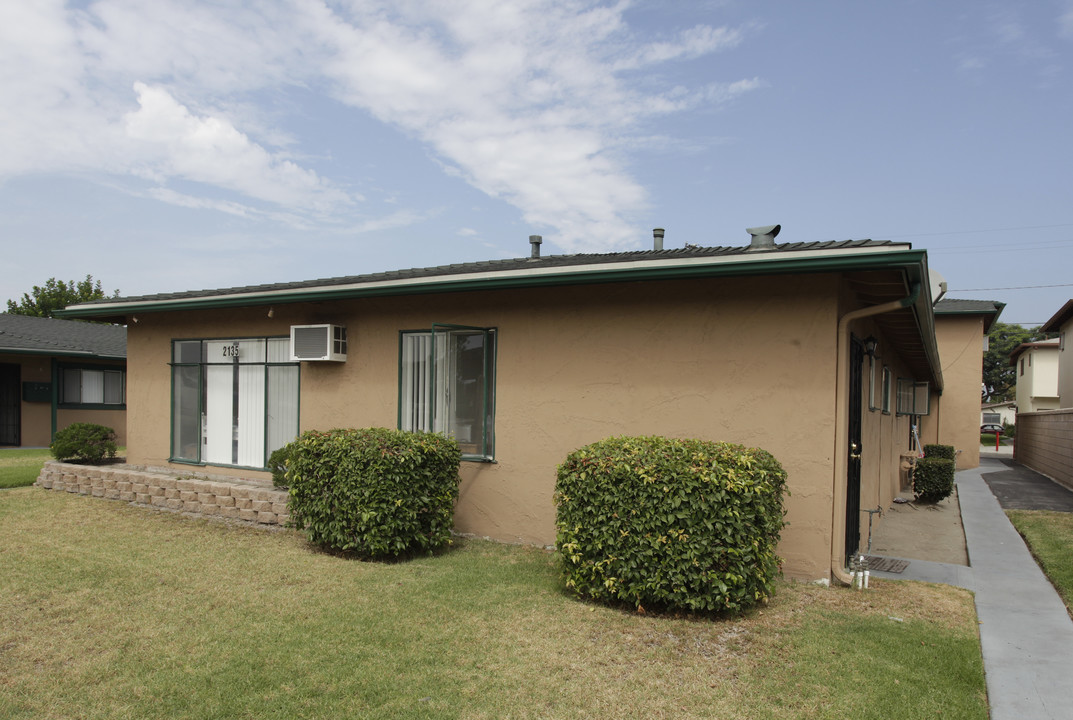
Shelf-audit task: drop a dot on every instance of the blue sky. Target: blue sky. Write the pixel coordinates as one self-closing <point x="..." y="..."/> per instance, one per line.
<point x="168" y="145"/>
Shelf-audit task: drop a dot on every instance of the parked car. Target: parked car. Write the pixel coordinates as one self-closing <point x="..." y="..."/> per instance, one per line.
<point x="991" y="428"/>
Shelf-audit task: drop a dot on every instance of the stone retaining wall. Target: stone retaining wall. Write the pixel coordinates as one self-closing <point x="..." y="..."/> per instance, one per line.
<point x="228" y="498"/>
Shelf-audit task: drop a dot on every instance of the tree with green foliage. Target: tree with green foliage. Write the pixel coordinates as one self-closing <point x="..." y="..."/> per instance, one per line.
<point x="1000" y="378"/>
<point x="56" y="295"/>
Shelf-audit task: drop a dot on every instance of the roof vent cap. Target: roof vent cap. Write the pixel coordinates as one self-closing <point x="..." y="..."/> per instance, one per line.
<point x="534" y="243"/>
<point x="657" y="238"/>
<point x="763" y="237"/>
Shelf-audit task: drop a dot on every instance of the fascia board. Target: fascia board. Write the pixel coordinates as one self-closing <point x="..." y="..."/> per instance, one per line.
<point x="813" y="261"/>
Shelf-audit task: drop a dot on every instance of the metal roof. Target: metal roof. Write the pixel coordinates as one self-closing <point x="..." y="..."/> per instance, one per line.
<point x="51" y="336"/>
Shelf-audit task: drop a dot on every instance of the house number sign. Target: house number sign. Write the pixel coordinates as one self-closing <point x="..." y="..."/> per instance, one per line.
<point x="230" y="351"/>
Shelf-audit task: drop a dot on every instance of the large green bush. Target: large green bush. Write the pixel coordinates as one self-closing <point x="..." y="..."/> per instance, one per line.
<point x="84" y="441"/>
<point x="933" y="479"/>
<point x="946" y="452"/>
<point x="663" y="524"/>
<point x="374" y="492"/>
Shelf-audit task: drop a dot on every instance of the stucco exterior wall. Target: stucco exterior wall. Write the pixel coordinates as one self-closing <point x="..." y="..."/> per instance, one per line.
<point x="1065" y="365"/>
<point x="1045" y="443"/>
<point x="36" y="417"/>
<point x="955" y="415"/>
<point x="742" y="360"/>
<point x="1037" y="379"/>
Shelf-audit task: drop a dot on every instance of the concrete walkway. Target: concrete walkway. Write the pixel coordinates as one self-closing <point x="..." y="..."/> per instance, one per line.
<point x="1025" y="632"/>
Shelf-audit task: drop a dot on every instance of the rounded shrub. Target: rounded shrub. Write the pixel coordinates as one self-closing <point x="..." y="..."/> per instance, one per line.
<point x="375" y="492"/>
<point x="670" y="525"/>
<point x="86" y="442"/>
<point x="933" y="479"/>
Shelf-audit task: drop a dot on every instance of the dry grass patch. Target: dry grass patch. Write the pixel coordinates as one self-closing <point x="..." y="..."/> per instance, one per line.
<point x="114" y="611"/>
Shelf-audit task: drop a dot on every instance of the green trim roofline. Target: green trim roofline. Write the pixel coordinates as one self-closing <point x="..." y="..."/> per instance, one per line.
<point x="554" y="271"/>
<point x="868" y="258"/>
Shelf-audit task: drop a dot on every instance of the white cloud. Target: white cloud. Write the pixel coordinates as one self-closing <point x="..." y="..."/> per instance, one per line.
<point x="527" y="101"/>
<point x="531" y="101"/>
<point x="175" y="143"/>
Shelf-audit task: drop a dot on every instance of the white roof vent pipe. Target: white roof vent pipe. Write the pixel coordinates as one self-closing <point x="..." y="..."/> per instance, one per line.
<point x="534" y="242"/>
<point x="657" y="238"/>
<point x="763" y="237"/>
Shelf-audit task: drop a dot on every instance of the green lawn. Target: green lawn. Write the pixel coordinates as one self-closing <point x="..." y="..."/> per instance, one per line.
<point x="1050" y="537"/>
<point x="20" y="467"/>
<point x="108" y="610"/>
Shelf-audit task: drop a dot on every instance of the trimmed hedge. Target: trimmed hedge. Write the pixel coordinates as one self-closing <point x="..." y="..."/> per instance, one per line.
<point x="662" y="524"/>
<point x="946" y="452"/>
<point x="933" y="479"/>
<point x="374" y="492"/>
<point x="87" y="442"/>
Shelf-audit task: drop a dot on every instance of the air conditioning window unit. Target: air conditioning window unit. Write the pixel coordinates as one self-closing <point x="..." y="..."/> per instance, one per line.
<point x="312" y="343"/>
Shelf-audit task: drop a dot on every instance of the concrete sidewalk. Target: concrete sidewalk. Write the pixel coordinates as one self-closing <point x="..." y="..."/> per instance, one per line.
<point x="1025" y="632"/>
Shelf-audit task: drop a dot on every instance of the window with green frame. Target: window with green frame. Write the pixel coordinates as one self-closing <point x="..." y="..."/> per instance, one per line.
<point x="93" y="385"/>
<point x="234" y="400"/>
<point x="913" y="397"/>
<point x="447" y="385"/>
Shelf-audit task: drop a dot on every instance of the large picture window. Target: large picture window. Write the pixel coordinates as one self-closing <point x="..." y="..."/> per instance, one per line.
<point x="92" y="386"/>
<point x="234" y="401"/>
<point x="447" y="385"/>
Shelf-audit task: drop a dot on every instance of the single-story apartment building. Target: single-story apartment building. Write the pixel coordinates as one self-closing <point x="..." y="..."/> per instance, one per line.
<point x="823" y="353"/>
<point x="1003" y="413"/>
<point x="57" y="372"/>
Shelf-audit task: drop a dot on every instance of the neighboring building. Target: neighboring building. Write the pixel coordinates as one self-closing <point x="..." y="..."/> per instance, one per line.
<point x="1004" y="413"/>
<point x="525" y="360"/>
<point x="57" y="372"/>
<point x="961" y="328"/>
<point x="1062" y="324"/>
<point x="1036" y="364"/>
<point x="1045" y="431"/>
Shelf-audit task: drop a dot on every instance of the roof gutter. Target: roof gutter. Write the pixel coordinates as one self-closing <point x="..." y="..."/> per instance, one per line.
<point x="736" y="265"/>
<point x="842" y="449"/>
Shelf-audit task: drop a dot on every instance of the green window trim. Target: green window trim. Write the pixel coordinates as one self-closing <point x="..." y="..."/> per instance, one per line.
<point x="447" y="385"/>
<point x="914" y="397"/>
<point x="215" y="430"/>
<point x="77" y="381"/>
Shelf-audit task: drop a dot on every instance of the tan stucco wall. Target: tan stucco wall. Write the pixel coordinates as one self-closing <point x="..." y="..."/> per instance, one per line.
<point x="955" y="415"/>
<point x="742" y="360"/>
<point x="36" y="417"/>
<point x="745" y="360"/>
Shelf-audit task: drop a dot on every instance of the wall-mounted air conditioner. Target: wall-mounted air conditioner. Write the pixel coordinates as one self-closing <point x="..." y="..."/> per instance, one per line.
<point x="311" y="343"/>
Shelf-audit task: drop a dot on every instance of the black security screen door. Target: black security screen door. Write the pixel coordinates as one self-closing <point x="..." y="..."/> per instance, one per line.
<point x="853" y="466"/>
<point x="9" y="405"/>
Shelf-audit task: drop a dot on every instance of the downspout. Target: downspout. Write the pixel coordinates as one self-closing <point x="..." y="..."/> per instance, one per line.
<point x="841" y="456"/>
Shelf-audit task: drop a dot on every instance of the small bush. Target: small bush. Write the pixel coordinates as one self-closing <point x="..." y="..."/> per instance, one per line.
<point x="277" y="463"/>
<point x="650" y="522"/>
<point x="933" y="479"/>
<point x="84" y="441"/>
<point x="374" y="492"/>
<point x="945" y="452"/>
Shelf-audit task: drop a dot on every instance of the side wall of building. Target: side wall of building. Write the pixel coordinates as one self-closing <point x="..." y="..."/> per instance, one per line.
<point x="743" y="360"/>
<point x="955" y="415"/>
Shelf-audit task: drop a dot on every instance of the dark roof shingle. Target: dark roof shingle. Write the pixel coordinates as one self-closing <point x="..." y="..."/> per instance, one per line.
<point x="22" y="333"/>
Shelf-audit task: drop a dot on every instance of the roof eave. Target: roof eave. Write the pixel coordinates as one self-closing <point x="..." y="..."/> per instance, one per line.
<point x="737" y="265"/>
